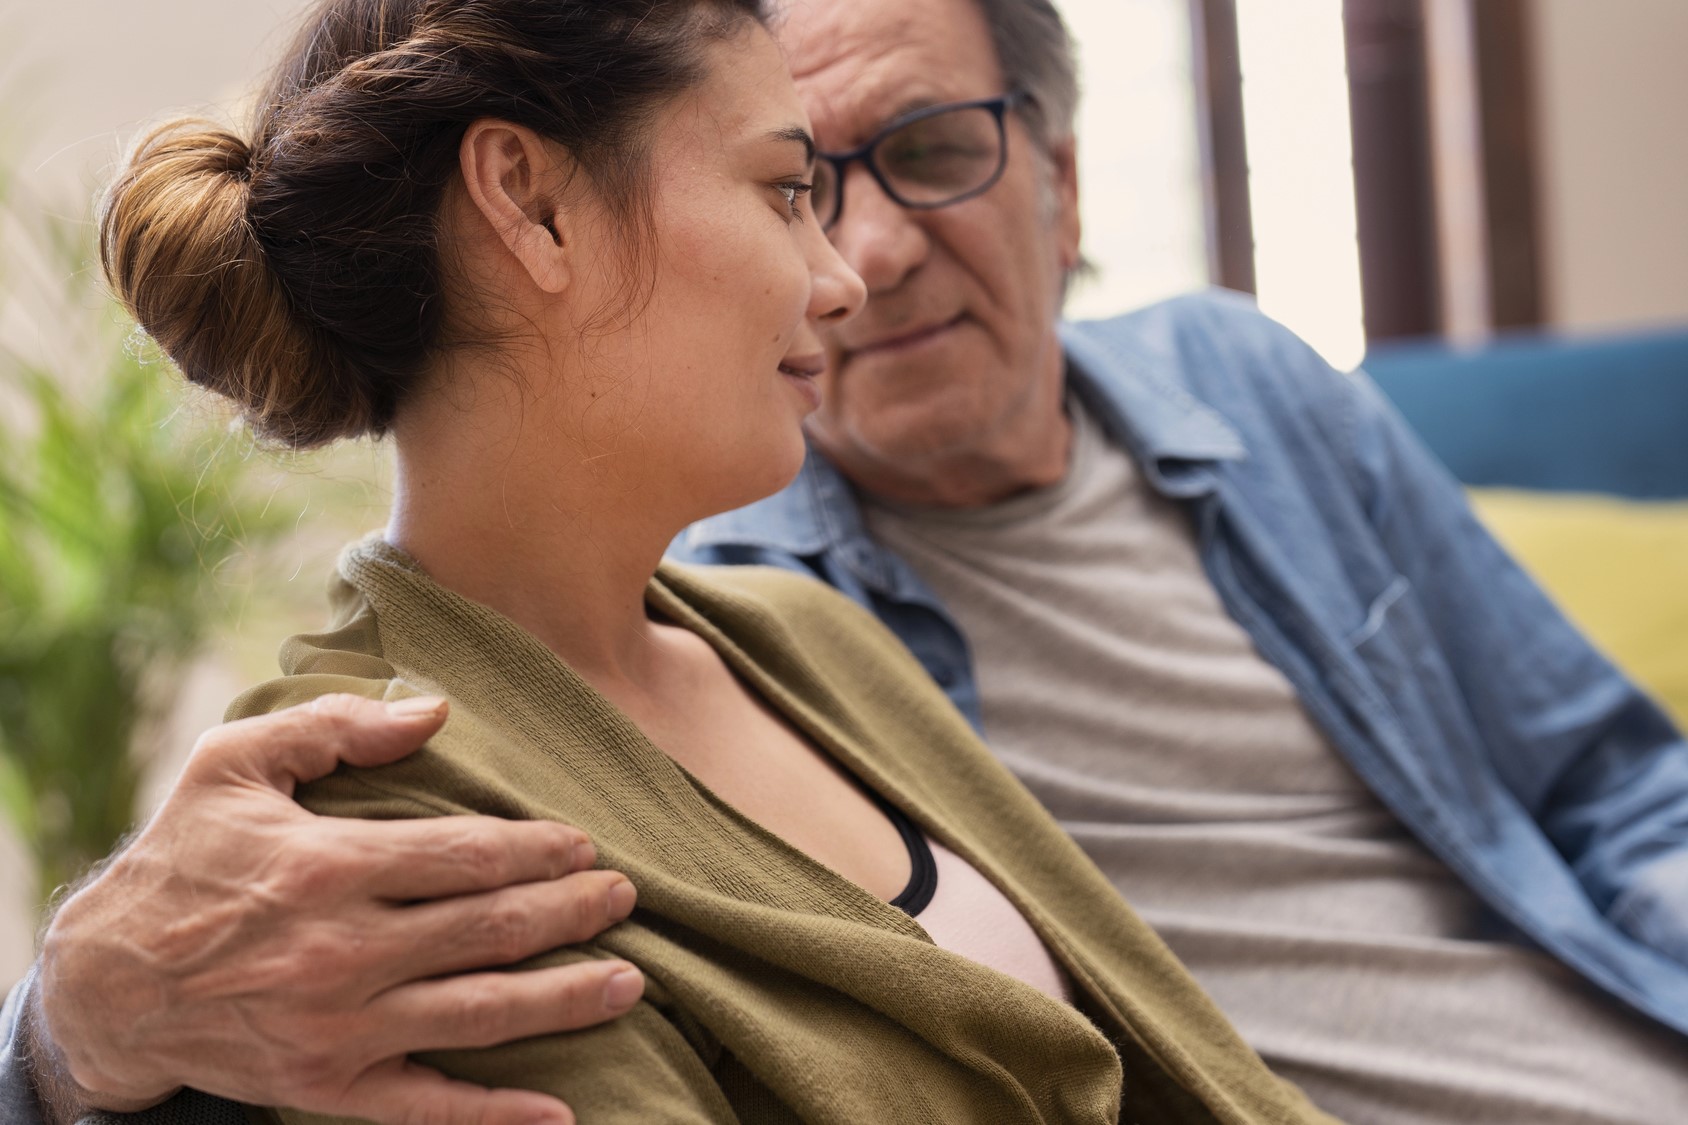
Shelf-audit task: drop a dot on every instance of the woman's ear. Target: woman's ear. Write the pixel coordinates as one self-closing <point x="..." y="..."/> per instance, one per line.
<point x="511" y="177"/>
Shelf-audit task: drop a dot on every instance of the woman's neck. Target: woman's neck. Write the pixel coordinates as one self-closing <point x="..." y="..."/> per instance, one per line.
<point x="568" y="560"/>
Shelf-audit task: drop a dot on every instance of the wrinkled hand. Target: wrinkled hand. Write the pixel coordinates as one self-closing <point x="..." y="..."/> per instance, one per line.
<point x="247" y="948"/>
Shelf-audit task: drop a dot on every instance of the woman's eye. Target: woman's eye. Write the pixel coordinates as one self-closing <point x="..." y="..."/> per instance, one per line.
<point x="793" y="190"/>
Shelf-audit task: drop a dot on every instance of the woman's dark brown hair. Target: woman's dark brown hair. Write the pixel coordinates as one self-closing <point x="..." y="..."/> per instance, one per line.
<point x="299" y="272"/>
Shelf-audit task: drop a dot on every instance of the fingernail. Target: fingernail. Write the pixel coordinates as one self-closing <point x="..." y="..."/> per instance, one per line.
<point x="624" y="988"/>
<point x="561" y="1117"/>
<point x="622" y="898"/>
<point x="417" y="707"/>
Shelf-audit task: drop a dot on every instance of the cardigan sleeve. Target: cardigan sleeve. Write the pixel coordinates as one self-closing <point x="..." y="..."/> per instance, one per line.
<point x="639" y="1069"/>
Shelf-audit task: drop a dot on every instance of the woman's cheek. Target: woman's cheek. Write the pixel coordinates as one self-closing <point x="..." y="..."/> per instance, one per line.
<point x="795" y="283"/>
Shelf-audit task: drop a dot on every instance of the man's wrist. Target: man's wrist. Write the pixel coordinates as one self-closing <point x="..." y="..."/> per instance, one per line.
<point x="56" y="1094"/>
<point x="62" y="1100"/>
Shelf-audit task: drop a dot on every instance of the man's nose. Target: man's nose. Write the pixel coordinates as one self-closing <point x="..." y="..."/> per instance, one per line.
<point x="882" y="240"/>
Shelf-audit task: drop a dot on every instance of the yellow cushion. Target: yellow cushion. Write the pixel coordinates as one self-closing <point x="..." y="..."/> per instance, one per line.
<point x="1618" y="568"/>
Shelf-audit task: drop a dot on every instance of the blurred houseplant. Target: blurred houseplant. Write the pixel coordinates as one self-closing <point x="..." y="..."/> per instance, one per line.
<point x="121" y="505"/>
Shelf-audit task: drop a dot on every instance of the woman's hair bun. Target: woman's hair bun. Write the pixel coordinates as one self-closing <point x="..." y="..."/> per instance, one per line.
<point x="300" y="272"/>
<point x="178" y="247"/>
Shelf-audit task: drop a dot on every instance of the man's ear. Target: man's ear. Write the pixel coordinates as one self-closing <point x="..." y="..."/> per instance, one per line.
<point x="512" y="179"/>
<point x="1064" y="156"/>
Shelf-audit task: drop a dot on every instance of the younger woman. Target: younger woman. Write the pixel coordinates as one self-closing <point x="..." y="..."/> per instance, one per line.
<point x="559" y="251"/>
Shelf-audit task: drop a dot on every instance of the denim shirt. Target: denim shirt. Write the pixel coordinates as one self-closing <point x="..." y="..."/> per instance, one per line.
<point x="17" y="1099"/>
<point x="1510" y="747"/>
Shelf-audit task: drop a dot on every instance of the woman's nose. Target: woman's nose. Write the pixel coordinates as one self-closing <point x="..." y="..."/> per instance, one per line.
<point x="836" y="292"/>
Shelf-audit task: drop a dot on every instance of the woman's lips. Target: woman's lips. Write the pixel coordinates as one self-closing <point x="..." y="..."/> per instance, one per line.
<point x="801" y="372"/>
<point x="806" y="386"/>
<point x="805" y="365"/>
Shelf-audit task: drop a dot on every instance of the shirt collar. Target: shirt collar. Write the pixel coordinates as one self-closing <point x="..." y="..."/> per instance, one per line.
<point x="1132" y="381"/>
<point x="1134" y="391"/>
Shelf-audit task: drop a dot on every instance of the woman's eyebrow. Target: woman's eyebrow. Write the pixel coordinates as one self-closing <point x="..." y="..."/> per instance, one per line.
<point x="797" y="135"/>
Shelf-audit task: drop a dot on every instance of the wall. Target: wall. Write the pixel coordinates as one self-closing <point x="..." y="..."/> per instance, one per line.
<point x="1139" y="165"/>
<point x="1613" y="144"/>
<point x="78" y="77"/>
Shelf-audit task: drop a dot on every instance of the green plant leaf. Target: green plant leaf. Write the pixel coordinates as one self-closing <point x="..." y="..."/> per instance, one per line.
<point x="16" y="801"/>
<point x="118" y="509"/>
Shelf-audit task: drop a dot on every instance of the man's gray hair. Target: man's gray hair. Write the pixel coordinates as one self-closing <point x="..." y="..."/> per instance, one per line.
<point x="1037" y="57"/>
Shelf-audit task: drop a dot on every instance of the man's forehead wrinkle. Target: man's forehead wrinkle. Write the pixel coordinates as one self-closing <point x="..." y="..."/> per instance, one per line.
<point x="851" y="95"/>
<point x="825" y="40"/>
<point x="855" y="73"/>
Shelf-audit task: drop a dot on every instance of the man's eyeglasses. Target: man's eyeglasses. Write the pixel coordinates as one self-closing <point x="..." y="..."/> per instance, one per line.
<point x="930" y="158"/>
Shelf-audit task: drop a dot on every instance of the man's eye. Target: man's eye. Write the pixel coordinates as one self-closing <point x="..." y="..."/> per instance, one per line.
<point x="917" y="155"/>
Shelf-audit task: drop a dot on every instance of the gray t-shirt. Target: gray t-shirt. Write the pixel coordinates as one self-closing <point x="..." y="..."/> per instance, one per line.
<point x="1115" y="685"/>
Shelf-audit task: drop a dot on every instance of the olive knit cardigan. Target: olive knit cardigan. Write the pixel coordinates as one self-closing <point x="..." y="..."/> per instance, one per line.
<point x="777" y="990"/>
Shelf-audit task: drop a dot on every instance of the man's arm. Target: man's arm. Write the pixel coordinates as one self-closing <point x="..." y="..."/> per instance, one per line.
<point x="246" y="948"/>
<point x="1596" y="762"/>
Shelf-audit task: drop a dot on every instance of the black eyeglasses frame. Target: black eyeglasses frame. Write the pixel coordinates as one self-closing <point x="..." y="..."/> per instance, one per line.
<point x="841" y="161"/>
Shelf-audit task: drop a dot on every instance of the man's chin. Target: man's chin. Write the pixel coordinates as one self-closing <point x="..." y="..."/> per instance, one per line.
<point x="905" y="439"/>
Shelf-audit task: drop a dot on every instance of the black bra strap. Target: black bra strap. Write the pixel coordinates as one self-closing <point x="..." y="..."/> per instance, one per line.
<point x="923" y="869"/>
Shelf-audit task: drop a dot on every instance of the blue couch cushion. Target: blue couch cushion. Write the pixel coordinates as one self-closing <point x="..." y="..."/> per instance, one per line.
<point x="1558" y="414"/>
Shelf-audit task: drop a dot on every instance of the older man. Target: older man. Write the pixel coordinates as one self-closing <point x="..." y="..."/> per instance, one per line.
<point x="1226" y="619"/>
<point x="1217" y="610"/>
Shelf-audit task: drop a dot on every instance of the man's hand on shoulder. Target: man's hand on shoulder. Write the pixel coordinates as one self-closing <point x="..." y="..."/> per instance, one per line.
<point x="244" y="947"/>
